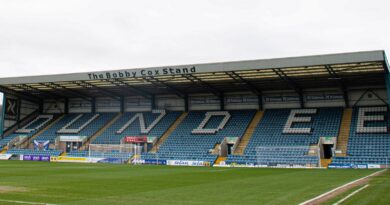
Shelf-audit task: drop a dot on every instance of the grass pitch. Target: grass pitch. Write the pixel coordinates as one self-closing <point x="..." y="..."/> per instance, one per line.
<point x="71" y="183"/>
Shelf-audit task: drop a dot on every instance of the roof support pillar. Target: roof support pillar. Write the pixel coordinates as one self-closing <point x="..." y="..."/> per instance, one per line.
<point x="340" y="83"/>
<point x="40" y="108"/>
<point x="260" y="101"/>
<point x="301" y="101"/>
<point x="66" y="105"/>
<point x="93" y="105"/>
<point x="153" y="99"/>
<point x="122" y="104"/>
<point x="346" y="99"/>
<point x="222" y="101"/>
<point x="186" y="99"/>
<point x="387" y="79"/>
<point x="18" y="110"/>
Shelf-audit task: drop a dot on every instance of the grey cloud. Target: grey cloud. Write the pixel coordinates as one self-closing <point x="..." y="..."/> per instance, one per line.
<point x="46" y="36"/>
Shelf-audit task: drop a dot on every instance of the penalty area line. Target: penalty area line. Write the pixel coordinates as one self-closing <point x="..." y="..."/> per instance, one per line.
<point x="340" y="187"/>
<point x="25" y="202"/>
<point x="350" y="195"/>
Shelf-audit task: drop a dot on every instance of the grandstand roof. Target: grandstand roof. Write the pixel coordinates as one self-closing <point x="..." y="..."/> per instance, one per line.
<point x="295" y="73"/>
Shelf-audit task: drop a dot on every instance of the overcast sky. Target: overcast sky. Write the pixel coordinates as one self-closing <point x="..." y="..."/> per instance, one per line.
<point x="49" y="36"/>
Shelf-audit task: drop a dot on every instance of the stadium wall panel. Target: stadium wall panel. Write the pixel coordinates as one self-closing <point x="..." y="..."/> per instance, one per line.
<point x="369" y="99"/>
<point x="107" y="105"/>
<point x="204" y="102"/>
<point x="53" y="106"/>
<point x="137" y="104"/>
<point x="170" y="102"/>
<point x="26" y="108"/>
<point x="78" y="105"/>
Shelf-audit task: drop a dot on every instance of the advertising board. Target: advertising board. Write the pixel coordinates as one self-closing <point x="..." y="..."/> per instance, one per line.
<point x="188" y="163"/>
<point x="135" y="139"/>
<point x="44" y="158"/>
<point x="5" y="156"/>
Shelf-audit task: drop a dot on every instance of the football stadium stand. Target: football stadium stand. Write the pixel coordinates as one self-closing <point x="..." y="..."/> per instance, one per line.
<point x="306" y="111"/>
<point x="200" y="132"/>
<point x="29" y="129"/>
<point x="285" y="139"/>
<point x="369" y="140"/>
<point x="76" y="125"/>
<point x="137" y="124"/>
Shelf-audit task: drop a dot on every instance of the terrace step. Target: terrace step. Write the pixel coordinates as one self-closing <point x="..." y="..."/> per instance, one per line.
<point x="345" y="127"/>
<point x="325" y="162"/>
<point x="248" y="133"/>
<point x="220" y="159"/>
<point x="4" y="150"/>
<point x="169" y="131"/>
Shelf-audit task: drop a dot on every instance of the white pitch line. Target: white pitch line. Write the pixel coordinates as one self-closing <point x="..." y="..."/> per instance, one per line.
<point x="340" y="187"/>
<point x="25" y="202"/>
<point x="350" y="195"/>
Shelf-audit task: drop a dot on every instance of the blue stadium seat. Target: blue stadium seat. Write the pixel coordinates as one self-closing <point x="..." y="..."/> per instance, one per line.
<point x="51" y="134"/>
<point x="95" y="154"/>
<point x="367" y="148"/>
<point x="183" y="145"/>
<point x="280" y="148"/>
<point x="7" y="139"/>
<point x="109" y="136"/>
<point x="34" y="152"/>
